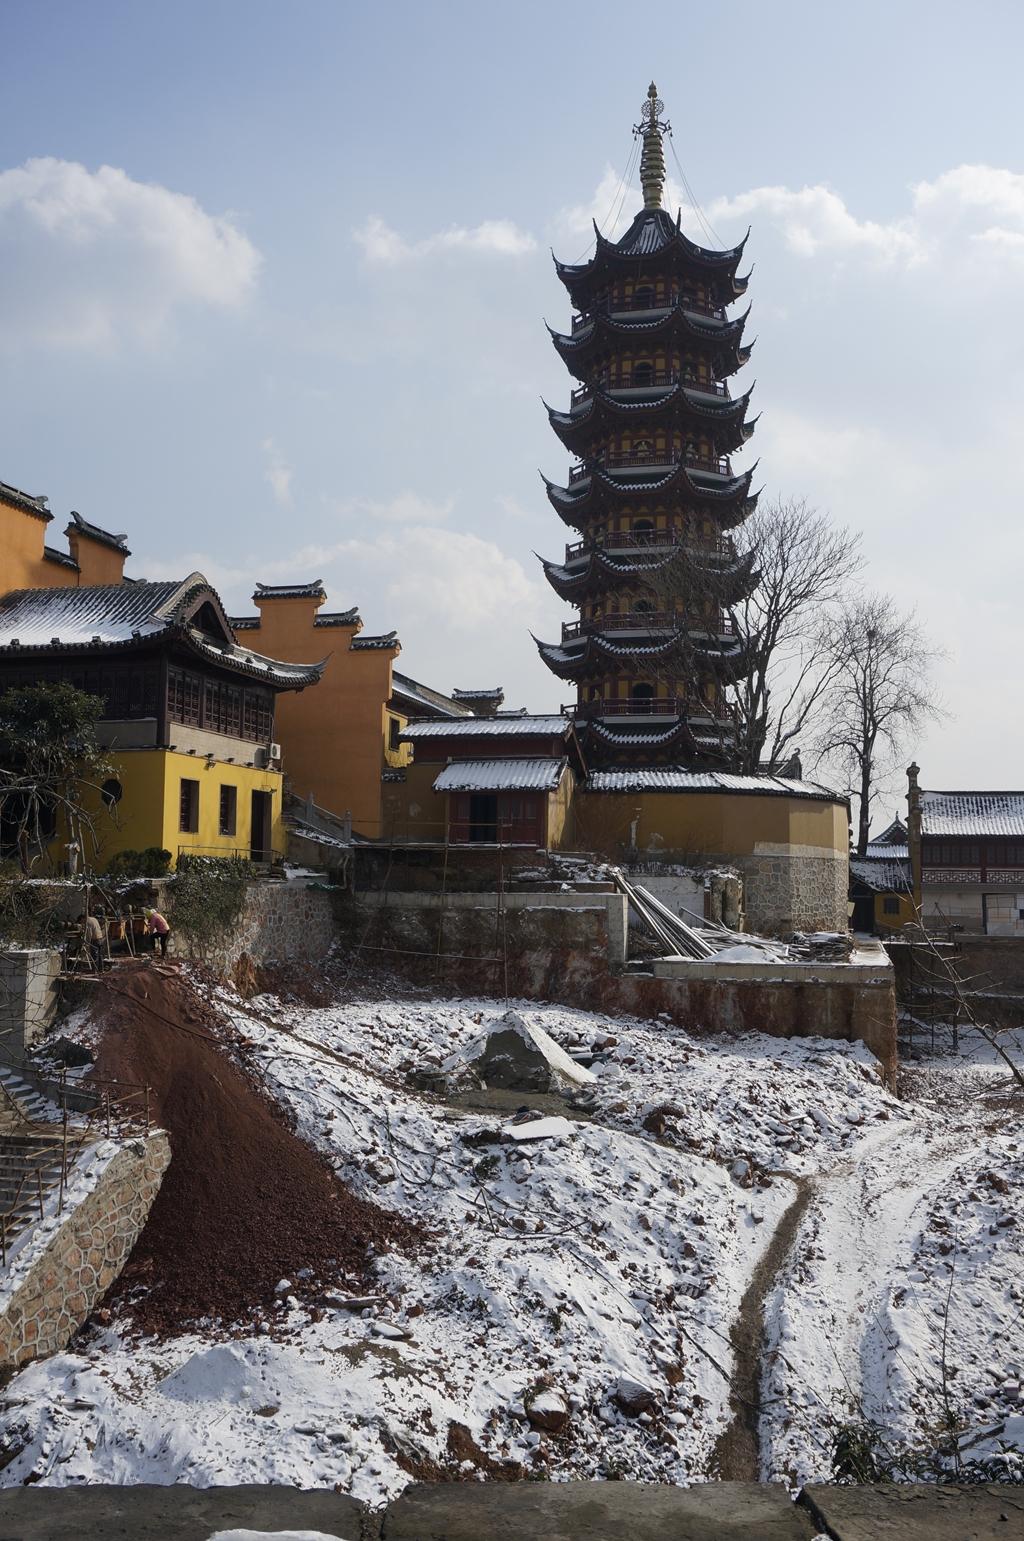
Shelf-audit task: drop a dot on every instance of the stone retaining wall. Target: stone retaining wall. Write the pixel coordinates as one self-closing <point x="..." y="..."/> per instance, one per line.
<point x="83" y="1256"/>
<point x="280" y="923"/>
<point x="526" y="1511"/>
<point x="570" y="948"/>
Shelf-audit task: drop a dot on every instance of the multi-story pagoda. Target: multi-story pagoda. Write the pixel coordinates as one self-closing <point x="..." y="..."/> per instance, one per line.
<point x="653" y="493"/>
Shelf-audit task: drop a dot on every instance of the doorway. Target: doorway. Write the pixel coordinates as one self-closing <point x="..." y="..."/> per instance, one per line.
<point x="260" y="840"/>
<point x="483" y="817"/>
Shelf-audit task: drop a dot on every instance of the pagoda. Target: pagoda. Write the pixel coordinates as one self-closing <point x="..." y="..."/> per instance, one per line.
<point x="653" y="494"/>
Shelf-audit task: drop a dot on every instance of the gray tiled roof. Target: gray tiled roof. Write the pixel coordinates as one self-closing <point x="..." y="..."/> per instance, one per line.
<point x="671" y="778"/>
<point x="95" y="532"/>
<point x="500" y="775"/>
<point x="972" y="813"/>
<point x="32" y="503"/>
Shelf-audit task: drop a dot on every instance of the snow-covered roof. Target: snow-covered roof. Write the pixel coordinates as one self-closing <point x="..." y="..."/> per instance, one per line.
<point x="972" y="813"/>
<point x="500" y="776"/>
<point x="672" y="778"/>
<point x="884" y="874"/>
<point x="120" y="614"/>
<point x="502" y="726"/>
<point x="433" y="700"/>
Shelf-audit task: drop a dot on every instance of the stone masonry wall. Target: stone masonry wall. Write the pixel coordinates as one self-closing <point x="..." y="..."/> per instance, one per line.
<point x="787" y="892"/>
<point x="280" y="923"/>
<point x="85" y="1254"/>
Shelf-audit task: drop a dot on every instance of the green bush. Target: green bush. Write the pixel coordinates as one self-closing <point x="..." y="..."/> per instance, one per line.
<point x="153" y="862"/>
<point x="208" y="894"/>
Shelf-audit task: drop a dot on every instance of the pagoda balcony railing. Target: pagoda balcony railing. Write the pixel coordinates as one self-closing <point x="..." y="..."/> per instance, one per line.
<point x="719" y="465"/>
<point x="655" y="706"/>
<point x="659" y="378"/>
<point x="647" y="620"/>
<point x="620" y="307"/>
<point x="657" y="540"/>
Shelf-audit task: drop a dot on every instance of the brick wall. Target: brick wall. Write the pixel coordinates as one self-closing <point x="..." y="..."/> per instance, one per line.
<point x="83" y="1256"/>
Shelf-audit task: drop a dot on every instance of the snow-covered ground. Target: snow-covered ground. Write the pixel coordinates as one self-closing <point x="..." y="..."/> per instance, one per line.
<point x="612" y="1248"/>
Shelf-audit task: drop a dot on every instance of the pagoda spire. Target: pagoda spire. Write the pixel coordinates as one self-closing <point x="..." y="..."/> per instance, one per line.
<point x="652" y="160"/>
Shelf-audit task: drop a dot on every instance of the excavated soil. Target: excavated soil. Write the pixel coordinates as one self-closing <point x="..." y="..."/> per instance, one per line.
<point x="245" y="1202"/>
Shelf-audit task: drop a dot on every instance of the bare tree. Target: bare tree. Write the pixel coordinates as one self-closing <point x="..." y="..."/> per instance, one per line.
<point x="781" y="586"/>
<point x="880" y="694"/>
<point x="804" y="566"/>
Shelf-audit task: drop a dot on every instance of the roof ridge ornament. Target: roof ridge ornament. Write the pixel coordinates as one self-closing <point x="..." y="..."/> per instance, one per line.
<point x="652" y="161"/>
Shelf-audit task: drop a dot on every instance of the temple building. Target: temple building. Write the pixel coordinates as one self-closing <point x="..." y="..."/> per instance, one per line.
<point x="653" y="494"/>
<point x="189" y="712"/>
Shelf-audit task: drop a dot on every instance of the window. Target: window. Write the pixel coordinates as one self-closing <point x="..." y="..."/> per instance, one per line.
<point x="188" y="809"/>
<point x="891" y="904"/>
<point x="642" y="693"/>
<point x="643" y="373"/>
<point x="112" y="792"/>
<point x="394" y="732"/>
<point x="643" y="298"/>
<point x="643" y="526"/>
<point x="228" y="820"/>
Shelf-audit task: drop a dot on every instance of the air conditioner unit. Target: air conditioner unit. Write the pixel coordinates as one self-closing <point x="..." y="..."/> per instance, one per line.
<point x="273" y="752"/>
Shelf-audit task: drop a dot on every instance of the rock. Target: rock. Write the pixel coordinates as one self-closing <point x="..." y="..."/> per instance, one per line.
<point x="518" y="1056"/>
<point x="381" y="1170"/>
<point x="547" y="1410"/>
<point x="634" y="1398"/>
<point x="740" y="1170"/>
<point x="385" y="1329"/>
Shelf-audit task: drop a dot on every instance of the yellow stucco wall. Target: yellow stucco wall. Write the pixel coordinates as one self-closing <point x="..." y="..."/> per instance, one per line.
<point x="334" y="734"/>
<point x="412" y="809"/>
<point x="721" y="824"/>
<point x="98" y="563"/>
<point x="149" y="809"/>
<point x="22" y="565"/>
<point x="905" y="915"/>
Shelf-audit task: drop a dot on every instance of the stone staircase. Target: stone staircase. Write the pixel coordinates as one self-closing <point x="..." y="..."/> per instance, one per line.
<point x="30" y="1171"/>
<point x="29" y="1100"/>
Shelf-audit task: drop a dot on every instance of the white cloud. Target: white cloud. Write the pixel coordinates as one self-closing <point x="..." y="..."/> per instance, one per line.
<point x="967" y="211"/>
<point x="88" y="258"/>
<point x="494" y="237"/>
<point x="815" y="219"/>
<point x="278" y="473"/>
<point x="406" y="508"/>
<point x="612" y="207"/>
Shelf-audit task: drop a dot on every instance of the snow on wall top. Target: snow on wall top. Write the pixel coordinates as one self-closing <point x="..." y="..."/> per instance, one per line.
<point x="673" y="779"/>
<point x="972" y="813"/>
<point x="500" y="776"/>
<point x="487" y="727"/>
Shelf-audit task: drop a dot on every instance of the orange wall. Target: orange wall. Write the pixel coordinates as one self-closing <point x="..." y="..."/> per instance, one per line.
<point x="332" y="735"/>
<point x="23" y="565"/>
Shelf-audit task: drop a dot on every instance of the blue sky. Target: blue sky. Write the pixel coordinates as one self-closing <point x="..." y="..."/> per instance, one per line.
<point x="295" y="328"/>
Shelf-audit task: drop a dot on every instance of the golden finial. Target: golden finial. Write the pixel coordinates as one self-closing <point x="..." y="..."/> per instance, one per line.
<point x="652" y="160"/>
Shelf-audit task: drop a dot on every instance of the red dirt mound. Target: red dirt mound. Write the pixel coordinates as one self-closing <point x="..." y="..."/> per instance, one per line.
<point x="245" y="1202"/>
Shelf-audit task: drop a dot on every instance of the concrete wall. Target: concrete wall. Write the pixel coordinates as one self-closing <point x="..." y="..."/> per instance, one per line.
<point x="570" y="948"/>
<point x="28" y="996"/>
<point x="83" y="1256"/>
